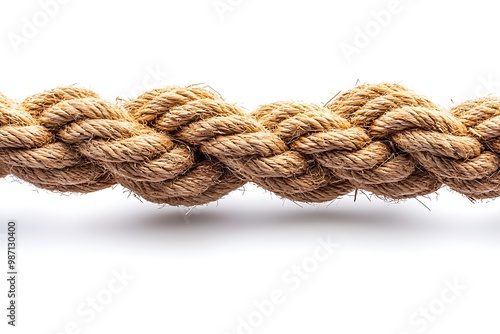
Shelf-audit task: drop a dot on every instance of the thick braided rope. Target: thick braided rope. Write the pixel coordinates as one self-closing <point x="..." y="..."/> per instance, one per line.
<point x="187" y="146"/>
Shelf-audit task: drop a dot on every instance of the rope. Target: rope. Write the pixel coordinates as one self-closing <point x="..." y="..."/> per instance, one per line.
<point x="187" y="146"/>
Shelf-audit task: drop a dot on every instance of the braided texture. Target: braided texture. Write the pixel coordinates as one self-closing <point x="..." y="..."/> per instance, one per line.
<point x="187" y="146"/>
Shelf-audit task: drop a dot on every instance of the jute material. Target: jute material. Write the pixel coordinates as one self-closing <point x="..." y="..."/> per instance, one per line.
<point x="187" y="146"/>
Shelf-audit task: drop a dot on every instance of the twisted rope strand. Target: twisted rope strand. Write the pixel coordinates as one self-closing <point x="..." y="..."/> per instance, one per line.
<point x="187" y="146"/>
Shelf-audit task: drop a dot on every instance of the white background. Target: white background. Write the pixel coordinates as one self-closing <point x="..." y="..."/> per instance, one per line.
<point x="202" y="271"/>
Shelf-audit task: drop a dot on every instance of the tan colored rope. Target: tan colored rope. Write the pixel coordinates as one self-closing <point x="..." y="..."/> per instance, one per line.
<point x="187" y="146"/>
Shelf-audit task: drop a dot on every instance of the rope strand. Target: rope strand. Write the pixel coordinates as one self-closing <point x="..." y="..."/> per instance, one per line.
<point x="187" y="146"/>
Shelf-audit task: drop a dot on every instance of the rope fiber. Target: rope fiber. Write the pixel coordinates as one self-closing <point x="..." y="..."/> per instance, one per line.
<point x="187" y="146"/>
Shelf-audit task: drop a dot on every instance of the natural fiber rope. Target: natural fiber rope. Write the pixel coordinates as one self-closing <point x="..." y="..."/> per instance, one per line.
<point x="187" y="146"/>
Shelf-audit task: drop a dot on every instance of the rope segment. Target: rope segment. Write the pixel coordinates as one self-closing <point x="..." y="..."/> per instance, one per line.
<point x="187" y="146"/>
